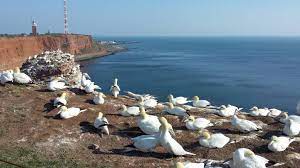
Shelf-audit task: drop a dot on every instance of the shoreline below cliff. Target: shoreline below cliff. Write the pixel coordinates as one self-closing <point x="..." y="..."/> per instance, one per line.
<point x="102" y="53"/>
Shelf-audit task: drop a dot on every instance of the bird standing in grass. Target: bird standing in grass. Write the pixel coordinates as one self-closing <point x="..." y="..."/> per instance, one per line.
<point x="115" y="88"/>
<point x="101" y="123"/>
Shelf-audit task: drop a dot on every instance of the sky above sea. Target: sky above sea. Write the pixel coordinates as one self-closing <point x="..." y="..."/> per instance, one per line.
<point x="155" y="17"/>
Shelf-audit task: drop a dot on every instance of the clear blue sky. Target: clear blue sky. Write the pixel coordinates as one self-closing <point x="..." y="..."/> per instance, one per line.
<point x="156" y="17"/>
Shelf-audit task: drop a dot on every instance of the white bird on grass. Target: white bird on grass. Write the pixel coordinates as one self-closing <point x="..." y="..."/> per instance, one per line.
<point x="291" y="128"/>
<point x="166" y="140"/>
<point x="150" y="124"/>
<point x="115" y="88"/>
<point x="146" y="143"/>
<point x="6" y="76"/>
<point x="200" y="103"/>
<point x="274" y="112"/>
<point x="130" y="111"/>
<point x="61" y="100"/>
<point x="178" y="100"/>
<point x="228" y="111"/>
<point x="101" y="123"/>
<point x="245" y="158"/>
<point x="193" y="123"/>
<point x="149" y="103"/>
<point x="66" y="113"/>
<point x="20" y="77"/>
<point x="189" y="165"/>
<point x="99" y="98"/>
<point x="243" y="125"/>
<point x="178" y="111"/>
<point x="137" y="96"/>
<point x="279" y="144"/>
<point x="283" y="117"/>
<point x="85" y="80"/>
<point x="217" y="140"/>
<point x="255" y="111"/>
<point x="57" y="84"/>
<point x="91" y="88"/>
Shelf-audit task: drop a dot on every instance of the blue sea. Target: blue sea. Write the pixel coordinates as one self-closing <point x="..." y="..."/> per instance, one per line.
<point x="243" y="71"/>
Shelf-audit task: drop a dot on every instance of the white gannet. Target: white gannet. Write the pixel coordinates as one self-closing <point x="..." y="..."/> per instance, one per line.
<point x="85" y="80"/>
<point x="166" y="140"/>
<point x="228" y="111"/>
<point x="217" y="140"/>
<point x="179" y="111"/>
<point x="189" y="165"/>
<point x="243" y="125"/>
<point x="245" y="158"/>
<point x="279" y="144"/>
<point x="56" y="84"/>
<point x="6" y="76"/>
<point x="137" y="96"/>
<point x="130" y="111"/>
<point x="146" y="143"/>
<point x="200" y="103"/>
<point x="115" y="88"/>
<point x="149" y="103"/>
<point x="177" y="100"/>
<point x="196" y="124"/>
<point x="20" y="77"/>
<point x="291" y="128"/>
<point x="149" y="124"/>
<point x="66" y="113"/>
<point x="99" y="98"/>
<point x="255" y="111"/>
<point x="91" y="88"/>
<point x="61" y="100"/>
<point x="283" y="117"/>
<point x="101" y="123"/>
<point x="274" y="112"/>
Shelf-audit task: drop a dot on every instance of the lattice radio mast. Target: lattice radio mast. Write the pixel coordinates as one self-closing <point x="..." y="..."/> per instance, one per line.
<point x="65" y="17"/>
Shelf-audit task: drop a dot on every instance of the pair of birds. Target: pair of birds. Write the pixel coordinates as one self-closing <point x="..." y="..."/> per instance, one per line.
<point x="163" y="138"/>
<point x="14" y="76"/>
<point x="183" y="100"/>
<point x="255" y="111"/>
<point x="241" y="158"/>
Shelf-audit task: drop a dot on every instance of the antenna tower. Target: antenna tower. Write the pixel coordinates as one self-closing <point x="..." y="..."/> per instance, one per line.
<point x="65" y="17"/>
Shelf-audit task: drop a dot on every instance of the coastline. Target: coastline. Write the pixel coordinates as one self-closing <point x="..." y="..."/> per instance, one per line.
<point x="98" y="54"/>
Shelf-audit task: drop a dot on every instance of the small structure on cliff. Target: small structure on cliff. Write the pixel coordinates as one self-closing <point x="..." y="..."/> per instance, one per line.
<point x="34" y="28"/>
<point x="52" y="64"/>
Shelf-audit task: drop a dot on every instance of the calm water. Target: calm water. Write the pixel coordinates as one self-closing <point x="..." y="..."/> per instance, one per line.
<point x="239" y="71"/>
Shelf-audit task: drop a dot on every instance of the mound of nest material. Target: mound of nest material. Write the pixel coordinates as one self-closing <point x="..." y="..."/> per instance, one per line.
<point x="46" y="65"/>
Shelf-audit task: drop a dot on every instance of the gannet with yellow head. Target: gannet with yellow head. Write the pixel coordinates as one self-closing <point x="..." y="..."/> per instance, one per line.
<point x="66" y="113"/>
<point x="61" y="100"/>
<point x="193" y="123"/>
<point x="20" y="77"/>
<point x="279" y="144"/>
<point x="245" y="158"/>
<point x="166" y="140"/>
<point x="101" y="123"/>
<point x="208" y="140"/>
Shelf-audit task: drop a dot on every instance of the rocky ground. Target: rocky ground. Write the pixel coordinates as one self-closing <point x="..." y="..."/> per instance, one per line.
<point x="30" y="137"/>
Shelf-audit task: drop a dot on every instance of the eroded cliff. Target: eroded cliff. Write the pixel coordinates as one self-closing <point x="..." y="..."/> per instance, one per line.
<point x="15" y="50"/>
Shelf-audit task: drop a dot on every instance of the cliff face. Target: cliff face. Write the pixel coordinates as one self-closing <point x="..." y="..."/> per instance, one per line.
<point x="14" y="51"/>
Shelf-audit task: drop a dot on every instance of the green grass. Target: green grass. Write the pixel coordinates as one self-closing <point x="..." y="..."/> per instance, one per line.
<point x="26" y="157"/>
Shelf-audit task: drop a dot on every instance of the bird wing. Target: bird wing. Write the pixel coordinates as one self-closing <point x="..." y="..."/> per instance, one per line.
<point x="174" y="147"/>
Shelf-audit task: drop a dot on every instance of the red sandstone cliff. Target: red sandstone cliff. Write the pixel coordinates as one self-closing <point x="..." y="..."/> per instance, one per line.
<point x="15" y="50"/>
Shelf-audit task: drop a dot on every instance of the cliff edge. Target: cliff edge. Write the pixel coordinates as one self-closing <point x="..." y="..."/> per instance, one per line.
<point x="15" y="50"/>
